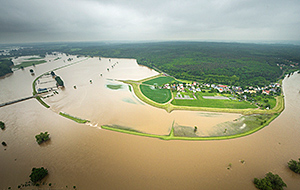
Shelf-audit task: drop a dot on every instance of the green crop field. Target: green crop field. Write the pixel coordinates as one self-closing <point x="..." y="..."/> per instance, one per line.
<point x="157" y="95"/>
<point x="213" y="103"/>
<point x="159" y="80"/>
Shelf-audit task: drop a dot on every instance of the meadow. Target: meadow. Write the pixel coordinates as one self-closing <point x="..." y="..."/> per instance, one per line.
<point x="212" y="103"/>
<point x="160" y="80"/>
<point x="156" y="94"/>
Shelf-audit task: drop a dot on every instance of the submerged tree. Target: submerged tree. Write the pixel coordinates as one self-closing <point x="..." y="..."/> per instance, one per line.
<point x="37" y="174"/>
<point x="42" y="137"/>
<point x="294" y="166"/>
<point x="270" y="182"/>
<point x="2" y="125"/>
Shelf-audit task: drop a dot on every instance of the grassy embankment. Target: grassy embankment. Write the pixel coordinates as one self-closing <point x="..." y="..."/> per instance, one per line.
<point x="76" y="119"/>
<point x="36" y="94"/>
<point x="29" y="63"/>
<point x="34" y="82"/>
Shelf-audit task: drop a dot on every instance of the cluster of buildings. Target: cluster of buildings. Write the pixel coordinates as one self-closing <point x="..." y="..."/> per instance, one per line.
<point x="196" y="87"/>
<point x="287" y="63"/>
<point x="182" y="88"/>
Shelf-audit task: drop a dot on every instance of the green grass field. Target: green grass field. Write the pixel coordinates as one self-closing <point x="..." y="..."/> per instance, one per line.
<point x="159" y="80"/>
<point x="114" y="87"/>
<point x="29" y="63"/>
<point x="157" y="95"/>
<point x="212" y="103"/>
<point x="272" y="102"/>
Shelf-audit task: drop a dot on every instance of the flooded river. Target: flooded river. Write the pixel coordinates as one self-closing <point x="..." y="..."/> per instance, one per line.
<point x="91" y="158"/>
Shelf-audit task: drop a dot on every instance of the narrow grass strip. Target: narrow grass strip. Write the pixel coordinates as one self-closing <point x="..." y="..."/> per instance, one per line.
<point x="76" y="119"/>
<point x="42" y="102"/>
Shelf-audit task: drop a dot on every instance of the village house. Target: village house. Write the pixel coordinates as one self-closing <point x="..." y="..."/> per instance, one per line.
<point x="222" y="88"/>
<point x="267" y="92"/>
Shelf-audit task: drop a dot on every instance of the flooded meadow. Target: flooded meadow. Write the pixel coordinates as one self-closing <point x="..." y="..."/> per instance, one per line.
<point x="88" y="157"/>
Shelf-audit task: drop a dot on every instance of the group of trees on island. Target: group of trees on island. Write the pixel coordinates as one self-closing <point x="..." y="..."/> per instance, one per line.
<point x="270" y="182"/>
<point x="42" y="137"/>
<point x="274" y="181"/>
<point x="37" y="174"/>
<point x="59" y="81"/>
<point x="2" y="126"/>
<point x="294" y="166"/>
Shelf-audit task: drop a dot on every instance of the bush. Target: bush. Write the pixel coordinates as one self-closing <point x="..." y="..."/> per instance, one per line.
<point x="38" y="174"/>
<point x="271" y="181"/>
<point x="42" y="137"/>
<point x="2" y="125"/>
<point x="294" y="166"/>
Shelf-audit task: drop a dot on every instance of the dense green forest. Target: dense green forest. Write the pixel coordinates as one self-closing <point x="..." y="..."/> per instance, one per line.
<point x="211" y="62"/>
<point x="5" y="66"/>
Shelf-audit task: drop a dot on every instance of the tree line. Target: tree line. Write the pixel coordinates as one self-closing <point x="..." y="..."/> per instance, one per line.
<point x="5" y="66"/>
<point x="211" y="62"/>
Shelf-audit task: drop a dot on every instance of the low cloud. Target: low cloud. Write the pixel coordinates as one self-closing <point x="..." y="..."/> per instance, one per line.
<point x="97" y="20"/>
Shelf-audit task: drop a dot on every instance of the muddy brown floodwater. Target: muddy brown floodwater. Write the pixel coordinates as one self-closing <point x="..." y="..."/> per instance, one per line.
<point x="88" y="157"/>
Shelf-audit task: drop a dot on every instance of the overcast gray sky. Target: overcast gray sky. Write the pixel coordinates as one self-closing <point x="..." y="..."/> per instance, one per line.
<point x="136" y="20"/>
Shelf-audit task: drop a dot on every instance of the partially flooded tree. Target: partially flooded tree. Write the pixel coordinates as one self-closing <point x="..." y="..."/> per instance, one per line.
<point x="294" y="166"/>
<point x="42" y="137"/>
<point x="195" y="129"/>
<point x="271" y="181"/>
<point x="2" y="125"/>
<point x="37" y="174"/>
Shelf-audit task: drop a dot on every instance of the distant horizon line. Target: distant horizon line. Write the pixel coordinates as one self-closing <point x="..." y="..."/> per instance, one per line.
<point x="282" y="42"/>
